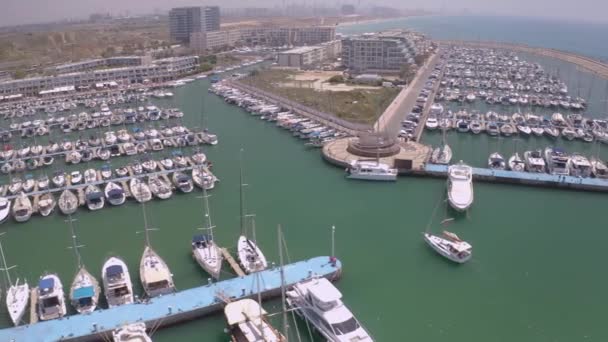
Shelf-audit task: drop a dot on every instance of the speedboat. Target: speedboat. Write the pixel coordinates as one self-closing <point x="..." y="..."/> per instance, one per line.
<point x="114" y="194"/>
<point x="450" y="246"/>
<point x="84" y="293"/>
<point x="579" y="166"/>
<point x="5" y="208"/>
<point x="68" y="202"/>
<point x="117" y="285"/>
<point x="534" y="161"/>
<point x="247" y="322"/>
<point x="207" y="254"/>
<point x="46" y="204"/>
<point x="319" y="302"/>
<point x="250" y="256"/>
<point x="370" y="170"/>
<point x="496" y="161"/>
<point x="140" y="190"/>
<point x="516" y="163"/>
<point x="156" y="278"/>
<point x="51" y="300"/>
<point x="460" y="186"/>
<point x="182" y="182"/>
<point x="22" y="208"/>
<point x="94" y="197"/>
<point x="134" y="332"/>
<point x="159" y="187"/>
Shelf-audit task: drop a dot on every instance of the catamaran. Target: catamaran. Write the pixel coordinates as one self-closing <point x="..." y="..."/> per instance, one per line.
<point x="51" y="301"/>
<point x="450" y="246"/>
<point x="117" y="285"/>
<point x="17" y="295"/>
<point x="249" y="254"/>
<point x="204" y="249"/>
<point x="319" y="302"/>
<point x="460" y="186"/>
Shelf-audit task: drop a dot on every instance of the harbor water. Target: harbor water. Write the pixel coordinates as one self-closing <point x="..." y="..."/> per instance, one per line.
<point x="536" y="273"/>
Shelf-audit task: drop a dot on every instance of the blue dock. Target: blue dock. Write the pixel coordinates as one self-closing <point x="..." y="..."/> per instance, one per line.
<point x="525" y="178"/>
<point x="171" y="309"/>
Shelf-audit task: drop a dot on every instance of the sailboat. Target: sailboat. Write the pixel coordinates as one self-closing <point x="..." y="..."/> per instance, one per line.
<point x="450" y="246"/>
<point x="17" y="295"/>
<point x="443" y="154"/>
<point x="46" y="204"/>
<point x="68" y="202"/>
<point x="204" y="249"/>
<point x="156" y="278"/>
<point x="250" y="256"/>
<point x="84" y="292"/>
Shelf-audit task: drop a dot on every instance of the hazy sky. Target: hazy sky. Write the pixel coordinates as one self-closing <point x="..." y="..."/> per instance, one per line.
<point x="27" y="11"/>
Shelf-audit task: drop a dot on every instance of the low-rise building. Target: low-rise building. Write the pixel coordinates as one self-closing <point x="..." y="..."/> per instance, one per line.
<point x="92" y="64"/>
<point x="160" y="70"/>
<point x="307" y="56"/>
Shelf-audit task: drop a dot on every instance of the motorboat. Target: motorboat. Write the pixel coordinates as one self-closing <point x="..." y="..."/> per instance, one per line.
<point x="371" y="170"/>
<point x="59" y="179"/>
<point x="182" y="182"/>
<point x="105" y="172"/>
<point x="122" y="171"/>
<point x="432" y="123"/>
<point x="84" y="292"/>
<point x="199" y="158"/>
<point x="167" y="163"/>
<point x="68" y="202"/>
<point x="523" y="129"/>
<point x="534" y="161"/>
<point x="156" y="278"/>
<point x="104" y="153"/>
<point x="450" y="246"/>
<point x="90" y="176"/>
<point x="557" y="161"/>
<point x="507" y="130"/>
<point x="22" y="208"/>
<point x="46" y="204"/>
<point x="476" y="127"/>
<point x="134" y="332"/>
<point x="117" y="285"/>
<point x="247" y="322"/>
<point x="159" y="187"/>
<point x="579" y="166"/>
<point x="462" y="126"/>
<point x="441" y="155"/>
<point x="496" y="161"/>
<point x="203" y="178"/>
<point x="552" y="131"/>
<point x="140" y="190"/>
<point x="5" y="209"/>
<point x="180" y="161"/>
<point x="28" y="184"/>
<point x="569" y="134"/>
<point x="516" y="163"/>
<point x="319" y="302"/>
<point x="492" y="129"/>
<point x="43" y="183"/>
<point x="598" y="168"/>
<point x="250" y="256"/>
<point x="460" y="186"/>
<point x="149" y="165"/>
<point x="115" y="194"/>
<point x="75" y="177"/>
<point x="94" y="198"/>
<point x="51" y="299"/>
<point x="73" y="157"/>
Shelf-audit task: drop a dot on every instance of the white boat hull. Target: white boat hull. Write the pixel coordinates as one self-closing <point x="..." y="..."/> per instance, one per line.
<point x="209" y="259"/>
<point x="439" y="245"/>
<point x="17" y="298"/>
<point x="250" y="256"/>
<point x="112" y="297"/>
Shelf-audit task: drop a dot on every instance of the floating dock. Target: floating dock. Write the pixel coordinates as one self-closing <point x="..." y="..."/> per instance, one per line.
<point x="524" y="178"/>
<point x="171" y="309"/>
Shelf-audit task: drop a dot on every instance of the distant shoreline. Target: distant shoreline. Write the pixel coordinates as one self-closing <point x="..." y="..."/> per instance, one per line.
<point x="368" y="21"/>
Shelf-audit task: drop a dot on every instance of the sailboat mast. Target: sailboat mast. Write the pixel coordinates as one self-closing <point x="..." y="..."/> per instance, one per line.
<point x="143" y="208"/>
<point x="242" y="195"/>
<point x="284" y="306"/>
<point x="74" y="243"/>
<point x="6" y="269"/>
<point x="207" y="215"/>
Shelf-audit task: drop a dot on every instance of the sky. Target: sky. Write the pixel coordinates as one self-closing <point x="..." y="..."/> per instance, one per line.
<point x="15" y="12"/>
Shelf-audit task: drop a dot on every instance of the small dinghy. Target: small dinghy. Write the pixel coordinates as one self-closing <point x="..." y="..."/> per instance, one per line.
<point x="450" y="246"/>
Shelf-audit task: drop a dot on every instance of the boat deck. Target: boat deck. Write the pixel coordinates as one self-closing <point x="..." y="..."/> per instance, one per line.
<point x="527" y="178"/>
<point x="170" y="309"/>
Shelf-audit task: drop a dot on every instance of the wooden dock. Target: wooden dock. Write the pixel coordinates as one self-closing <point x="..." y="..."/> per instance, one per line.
<point x="233" y="264"/>
<point x="34" y="305"/>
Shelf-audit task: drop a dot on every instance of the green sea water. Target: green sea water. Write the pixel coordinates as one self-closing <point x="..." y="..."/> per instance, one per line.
<point x="536" y="275"/>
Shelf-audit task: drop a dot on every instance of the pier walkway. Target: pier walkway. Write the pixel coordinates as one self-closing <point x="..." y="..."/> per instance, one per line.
<point x="592" y="65"/>
<point x="524" y="178"/>
<point x="171" y="309"/>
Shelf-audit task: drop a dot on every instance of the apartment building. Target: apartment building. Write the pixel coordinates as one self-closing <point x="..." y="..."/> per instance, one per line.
<point x="183" y="21"/>
<point x="92" y="64"/>
<point x="309" y="56"/>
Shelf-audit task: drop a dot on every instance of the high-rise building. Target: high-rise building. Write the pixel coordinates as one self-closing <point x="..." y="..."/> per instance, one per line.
<point x="186" y="20"/>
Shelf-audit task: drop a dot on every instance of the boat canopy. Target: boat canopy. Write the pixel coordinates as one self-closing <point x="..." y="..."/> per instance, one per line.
<point x="114" y="270"/>
<point x="201" y="238"/>
<point x="46" y="284"/>
<point x="115" y="193"/>
<point x="182" y="178"/>
<point x="83" y="292"/>
<point x="94" y="195"/>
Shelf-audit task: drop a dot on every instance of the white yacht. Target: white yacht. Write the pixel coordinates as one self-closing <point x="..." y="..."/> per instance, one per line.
<point x="51" y="300"/>
<point x="68" y="202"/>
<point x="117" y="285"/>
<point x="371" y="170"/>
<point x="579" y="166"/>
<point x="557" y="161"/>
<point x="460" y="186"/>
<point x="182" y="182"/>
<point x="496" y="161"/>
<point x="534" y="161"/>
<point x="134" y="332"/>
<point x="22" y="208"/>
<point x="84" y="293"/>
<point x="203" y="178"/>
<point x="516" y="163"/>
<point x="94" y="198"/>
<point x="46" y="204"/>
<point x="114" y="194"/>
<point x="5" y="209"/>
<point x="156" y="278"/>
<point x="204" y="249"/>
<point x="432" y="123"/>
<point x="450" y="246"/>
<point x="17" y="295"/>
<point x="140" y="190"/>
<point x="319" y="302"/>
<point x="247" y="322"/>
